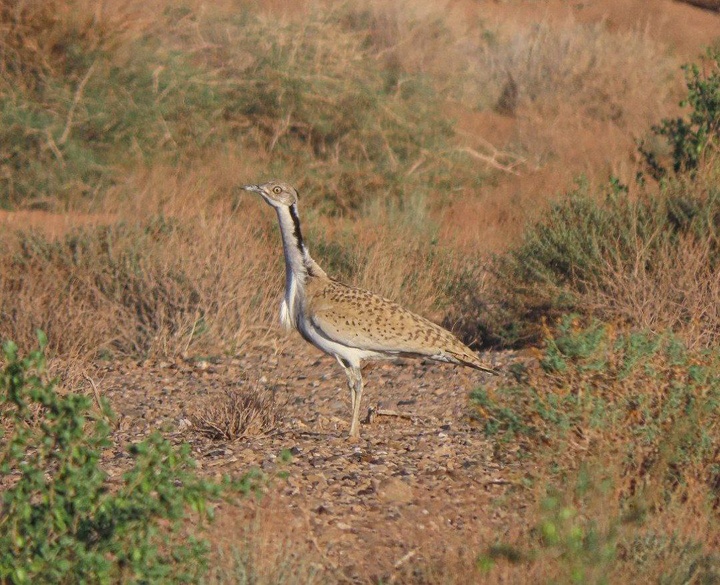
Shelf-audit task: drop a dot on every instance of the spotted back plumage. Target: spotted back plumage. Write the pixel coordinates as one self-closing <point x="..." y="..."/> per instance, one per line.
<point x="362" y="319"/>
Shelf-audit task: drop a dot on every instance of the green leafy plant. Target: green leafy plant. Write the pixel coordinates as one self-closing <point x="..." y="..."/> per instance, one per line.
<point x="61" y="521"/>
<point x="578" y="546"/>
<point x="643" y="396"/>
<point x="692" y="139"/>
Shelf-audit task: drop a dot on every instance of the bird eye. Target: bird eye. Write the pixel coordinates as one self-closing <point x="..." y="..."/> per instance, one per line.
<point x="277" y="190"/>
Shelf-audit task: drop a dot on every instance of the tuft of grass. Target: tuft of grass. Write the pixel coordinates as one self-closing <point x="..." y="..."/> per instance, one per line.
<point x="239" y="414"/>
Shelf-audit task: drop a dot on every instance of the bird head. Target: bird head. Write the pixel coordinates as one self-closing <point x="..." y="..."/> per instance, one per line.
<point x="275" y="193"/>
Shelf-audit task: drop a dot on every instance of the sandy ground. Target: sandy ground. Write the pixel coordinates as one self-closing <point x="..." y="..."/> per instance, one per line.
<point x="424" y="485"/>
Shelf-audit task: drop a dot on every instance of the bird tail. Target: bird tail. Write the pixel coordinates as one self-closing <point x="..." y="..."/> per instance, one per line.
<point x="472" y="361"/>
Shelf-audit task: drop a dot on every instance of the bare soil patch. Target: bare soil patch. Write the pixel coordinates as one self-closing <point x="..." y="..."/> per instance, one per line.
<point x="422" y="489"/>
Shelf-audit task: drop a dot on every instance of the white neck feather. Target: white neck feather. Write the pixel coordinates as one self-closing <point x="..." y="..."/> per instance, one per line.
<point x="298" y="263"/>
<point x="293" y="245"/>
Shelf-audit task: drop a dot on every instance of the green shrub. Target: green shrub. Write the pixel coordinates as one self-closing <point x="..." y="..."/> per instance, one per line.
<point x="695" y="138"/>
<point x="598" y="257"/>
<point x="577" y="535"/>
<point x="61" y="521"/>
<point x="579" y="546"/>
<point x="309" y="91"/>
<point x="566" y="253"/>
<point x="616" y="434"/>
<point x="70" y="136"/>
<point x="645" y="398"/>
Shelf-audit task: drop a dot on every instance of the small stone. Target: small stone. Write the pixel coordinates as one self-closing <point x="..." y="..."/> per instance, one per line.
<point x="324" y="509"/>
<point x="395" y="491"/>
<point x="443" y="451"/>
<point x="316" y="478"/>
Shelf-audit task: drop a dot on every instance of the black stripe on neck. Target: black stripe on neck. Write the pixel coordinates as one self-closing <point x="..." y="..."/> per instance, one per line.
<point x="296" y="231"/>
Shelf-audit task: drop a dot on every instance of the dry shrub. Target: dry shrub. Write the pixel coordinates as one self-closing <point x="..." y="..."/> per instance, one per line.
<point x="181" y="276"/>
<point x="239" y="414"/>
<point x="679" y="292"/>
<point x="650" y="260"/>
<point x="600" y="74"/>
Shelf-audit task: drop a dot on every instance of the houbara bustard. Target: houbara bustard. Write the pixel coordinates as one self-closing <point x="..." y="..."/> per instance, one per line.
<point x="348" y="323"/>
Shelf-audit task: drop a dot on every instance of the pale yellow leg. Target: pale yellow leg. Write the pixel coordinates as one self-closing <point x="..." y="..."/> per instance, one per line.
<point x="355" y="384"/>
<point x="355" y="425"/>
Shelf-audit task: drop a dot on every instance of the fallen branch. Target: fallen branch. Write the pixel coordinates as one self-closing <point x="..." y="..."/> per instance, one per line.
<point x="492" y="160"/>
<point x="76" y="99"/>
<point x="374" y="412"/>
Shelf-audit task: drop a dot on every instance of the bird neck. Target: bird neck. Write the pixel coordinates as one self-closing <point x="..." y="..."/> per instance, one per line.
<point x="298" y="263"/>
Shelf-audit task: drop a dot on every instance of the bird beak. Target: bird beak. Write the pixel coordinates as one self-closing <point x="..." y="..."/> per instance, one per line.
<point x="254" y="188"/>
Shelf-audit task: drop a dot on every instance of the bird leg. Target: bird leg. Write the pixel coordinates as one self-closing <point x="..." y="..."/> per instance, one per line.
<point x="355" y="425"/>
<point x="355" y="383"/>
<point x="350" y="379"/>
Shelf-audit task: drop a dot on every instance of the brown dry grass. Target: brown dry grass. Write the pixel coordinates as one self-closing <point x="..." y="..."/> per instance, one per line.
<point x="186" y="264"/>
<point x="265" y="546"/>
<point x="584" y="91"/>
<point x="152" y="282"/>
<point x="681" y="293"/>
<point x="239" y="414"/>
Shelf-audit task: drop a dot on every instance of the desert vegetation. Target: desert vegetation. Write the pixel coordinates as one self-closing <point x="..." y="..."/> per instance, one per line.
<point x="532" y="186"/>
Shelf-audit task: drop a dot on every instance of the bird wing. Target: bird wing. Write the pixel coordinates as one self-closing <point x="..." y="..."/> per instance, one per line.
<point x="358" y="318"/>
